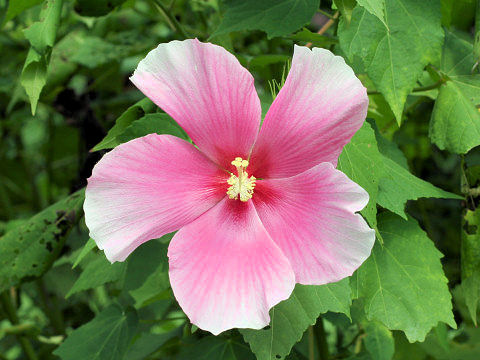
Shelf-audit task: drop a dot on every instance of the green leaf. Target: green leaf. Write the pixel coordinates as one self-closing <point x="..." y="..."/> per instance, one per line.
<point x="41" y="34"/>
<point x="106" y="337"/>
<point x="34" y="76"/>
<point x="216" y="348"/>
<point x="291" y="318"/>
<point x="379" y="341"/>
<point x="96" y="7"/>
<point x="397" y="185"/>
<point x="375" y="7"/>
<point x="346" y="8"/>
<point x="89" y="246"/>
<point x="28" y="251"/>
<point x="94" y="51"/>
<point x="455" y="123"/>
<point x="98" y="272"/>
<point x="402" y="282"/>
<point x="395" y="55"/>
<point x="16" y="7"/>
<point x="134" y="112"/>
<point x="317" y="40"/>
<point x="149" y="124"/>
<point x="470" y="256"/>
<point x="275" y="17"/>
<point x="147" y="272"/>
<point x="147" y="343"/>
<point x="361" y="161"/>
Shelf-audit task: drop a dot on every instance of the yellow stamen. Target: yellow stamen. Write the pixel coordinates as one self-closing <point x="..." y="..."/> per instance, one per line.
<point x="240" y="185"/>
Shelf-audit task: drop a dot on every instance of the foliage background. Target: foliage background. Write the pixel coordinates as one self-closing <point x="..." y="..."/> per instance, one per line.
<point x="66" y="100"/>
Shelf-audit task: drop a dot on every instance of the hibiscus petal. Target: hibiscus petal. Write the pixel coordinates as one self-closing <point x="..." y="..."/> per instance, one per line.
<point x="311" y="217"/>
<point x="226" y="271"/>
<point x="146" y="188"/>
<point x="316" y="113"/>
<point x="206" y="90"/>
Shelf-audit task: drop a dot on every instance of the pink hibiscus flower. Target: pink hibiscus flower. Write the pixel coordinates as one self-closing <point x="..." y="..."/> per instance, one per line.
<point x="258" y="210"/>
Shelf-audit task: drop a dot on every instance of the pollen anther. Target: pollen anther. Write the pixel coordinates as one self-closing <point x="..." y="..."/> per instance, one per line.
<point x="241" y="186"/>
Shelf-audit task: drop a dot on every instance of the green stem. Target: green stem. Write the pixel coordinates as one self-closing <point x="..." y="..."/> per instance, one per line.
<point x="311" y="344"/>
<point x="321" y="338"/>
<point x="418" y="89"/>
<point x="170" y="18"/>
<point x="12" y="316"/>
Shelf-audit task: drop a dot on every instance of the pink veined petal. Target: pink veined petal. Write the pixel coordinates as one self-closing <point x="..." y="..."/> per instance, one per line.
<point x="311" y="217"/>
<point x="146" y="188"/>
<point x="225" y="270"/>
<point x="318" y="110"/>
<point x="206" y="90"/>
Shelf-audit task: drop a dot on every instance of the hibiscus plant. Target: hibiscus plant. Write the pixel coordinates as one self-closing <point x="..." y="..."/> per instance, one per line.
<point x="240" y="179"/>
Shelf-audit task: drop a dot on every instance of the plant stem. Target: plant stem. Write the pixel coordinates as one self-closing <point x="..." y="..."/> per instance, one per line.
<point x="321" y="338"/>
<point x="11" y="312"/>
<point x="311" y="344"/>
<point x="171" y="19"/>
<point x="418" y="89"/>
<point x="325" y="27"/>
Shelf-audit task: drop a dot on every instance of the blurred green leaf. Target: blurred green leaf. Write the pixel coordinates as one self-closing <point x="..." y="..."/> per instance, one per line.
<point x="275" y="17"/>
<point x="16" y="7"/>
<point x="291" y="318"/>
<point x="395" y="55"/>
<point x="379" y="341"/>
<point x="470" y="257"/>
<point x="106" y="337"/>
<point x="402" y="282"/>
<point x="94" y="51"/>
<point x="133" y="113"/>
<point x="317" y="40"/>
<point x="28" y="251"/>
<point x="361" y="161"/>
<point x="41" y="36"/>
<point x="96" y="7"/>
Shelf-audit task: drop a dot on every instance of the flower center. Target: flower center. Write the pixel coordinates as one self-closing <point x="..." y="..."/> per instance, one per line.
<point x="240" y="185"/>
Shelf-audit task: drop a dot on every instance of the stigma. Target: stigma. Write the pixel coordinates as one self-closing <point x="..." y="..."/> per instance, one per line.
<point x="241" y="186"/>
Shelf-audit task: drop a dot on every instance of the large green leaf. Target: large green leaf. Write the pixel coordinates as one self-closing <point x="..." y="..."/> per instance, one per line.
<point x="363" y="163"/>
<point x="291" y="318"/>
<point x="402" y="282"/>
<point x="471" y="261"/>
<point x="28" y="251"/>
<point x="394" y="55"/>
<point x="455" y="123"/>
<point x="275" y="17"/>
<point x="106" y="337"/>
<point x="397" y="185"/>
